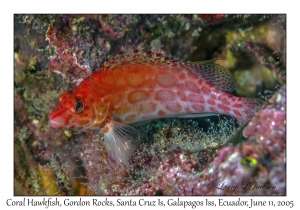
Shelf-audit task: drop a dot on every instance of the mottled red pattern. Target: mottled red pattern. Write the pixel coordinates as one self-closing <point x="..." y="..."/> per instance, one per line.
<point x="144" y="86"/>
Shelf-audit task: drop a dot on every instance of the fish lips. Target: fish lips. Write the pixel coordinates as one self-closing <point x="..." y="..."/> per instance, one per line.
<point x="57" y="120"/>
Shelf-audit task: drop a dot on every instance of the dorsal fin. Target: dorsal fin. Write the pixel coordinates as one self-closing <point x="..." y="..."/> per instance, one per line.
<point x="138" y="56"/>
<point x="207" y="70"/>
<point x="218" y="75"/>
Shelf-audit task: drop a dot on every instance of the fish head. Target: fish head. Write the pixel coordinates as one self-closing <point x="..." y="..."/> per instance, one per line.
<point x="77" y="112"/>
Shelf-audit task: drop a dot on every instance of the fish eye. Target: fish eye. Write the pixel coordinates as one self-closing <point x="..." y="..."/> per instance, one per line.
<point x="78" y="106"/>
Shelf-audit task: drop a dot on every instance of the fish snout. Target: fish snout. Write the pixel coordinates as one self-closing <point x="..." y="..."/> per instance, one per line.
<point x="56" y="121"/>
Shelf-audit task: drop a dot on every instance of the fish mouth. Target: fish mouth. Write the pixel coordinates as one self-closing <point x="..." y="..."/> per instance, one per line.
<point x="56" y="121"/>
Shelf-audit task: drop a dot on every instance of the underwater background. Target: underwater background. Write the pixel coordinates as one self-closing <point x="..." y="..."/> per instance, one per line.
<point x="199" y="156"/>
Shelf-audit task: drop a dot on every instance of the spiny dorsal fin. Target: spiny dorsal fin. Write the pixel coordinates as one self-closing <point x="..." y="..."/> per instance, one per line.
<point x="138" y="56"/>
<point x="207" y="70"/>
<point x="218" y="75"/>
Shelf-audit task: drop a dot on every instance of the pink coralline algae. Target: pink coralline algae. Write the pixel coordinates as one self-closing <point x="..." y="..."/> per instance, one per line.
<point x="67" y="65"/>
<point x="175" y="176"/>
<point x="65" y="62"/>
<point x="274" y="114"/>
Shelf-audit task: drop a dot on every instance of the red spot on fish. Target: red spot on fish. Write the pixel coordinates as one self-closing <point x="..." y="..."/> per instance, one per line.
<point x="198" y="107"/>
<point x="181" y="95"/>
<point x="164" y="95"/>
<point x="237" y="105"/>
<point x="205" y="89"/>
<point x="166" y="80"/>
<point x="188" y="110"/>
<point x="224" y="107"/>
<point x="137" y="96"/>
<point x="130" y="117"/>
<point x="161" y="113"/>
<point x="213" y="96"/>
<point x="192" y="86"/>
<point x="236" y="112"/>
<point x="213" y="109"/>
<point x="211" y="102"/>
<point x="180" y="86"/>
<point x="224" y="98"/>
<point x="173" y="106"/>
<point x="134" y="78"/>
<point x="145" y="108"/>
<point x="84" y="122"/>
<point x="181" y="76"/>
<point x="196" y="98"/>
<point x="224" y="101"/>
<point x="123" y="109"/>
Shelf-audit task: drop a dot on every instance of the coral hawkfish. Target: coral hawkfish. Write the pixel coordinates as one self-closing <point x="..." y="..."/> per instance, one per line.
<point x="141" y="86"/>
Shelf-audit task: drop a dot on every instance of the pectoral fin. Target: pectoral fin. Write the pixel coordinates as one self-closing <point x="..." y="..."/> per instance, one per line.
<point x="120" y="140"/>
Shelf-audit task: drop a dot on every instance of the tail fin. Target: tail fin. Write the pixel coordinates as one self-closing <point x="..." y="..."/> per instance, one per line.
<point x="249" y="109"/>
